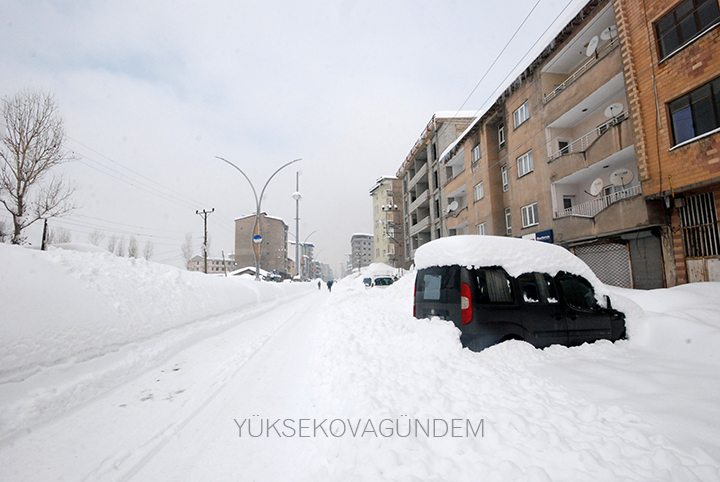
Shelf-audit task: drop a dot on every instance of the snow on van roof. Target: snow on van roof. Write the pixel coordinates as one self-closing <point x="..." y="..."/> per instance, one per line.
<point x="515" y="255"/>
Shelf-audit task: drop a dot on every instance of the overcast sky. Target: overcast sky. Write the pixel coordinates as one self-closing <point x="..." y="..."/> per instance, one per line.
<point x="152" y="91"/>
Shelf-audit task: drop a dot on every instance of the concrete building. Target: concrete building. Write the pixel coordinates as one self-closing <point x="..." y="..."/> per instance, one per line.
<point x="671" y="52"/>
<point x="361" y="249"/>
<point x="274" y="243"/>
<point x="214" y="265"/>
<point x="306" y="253"/>
<point x="423" y="179"/>
<point x="388" y="215"/>
<point x="554" y="159"/>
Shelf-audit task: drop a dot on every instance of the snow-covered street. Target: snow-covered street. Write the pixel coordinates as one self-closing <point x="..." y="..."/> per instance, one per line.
<point x="128" y="370"/>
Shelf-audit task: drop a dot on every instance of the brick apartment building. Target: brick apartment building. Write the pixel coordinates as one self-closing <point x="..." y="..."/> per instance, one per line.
<point x="671" y="54"/>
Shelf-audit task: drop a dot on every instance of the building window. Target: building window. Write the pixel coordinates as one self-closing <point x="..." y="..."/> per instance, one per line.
<point x="476" y="153"/>
<point x="433" y="151"/>
<point x="479" y="191"/>
<point x="699" y="221"/>
<point x="685" y="23"/>
<point x="435" y="180"/>
<point x="504" y="173"/>
<point x="525" y="164"/>
<point x="437" y="208"/>
<point x="501" y="136"/>
<point x="696" y="113"/>
<point x="529" y="215"/>
<point x="508" y="222"/>
<point x="521" y="114"/>
<point x="481" y="229"/>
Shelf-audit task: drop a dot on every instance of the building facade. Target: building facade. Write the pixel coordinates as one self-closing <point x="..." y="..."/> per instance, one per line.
<point x="555" y="159"/>
<point x="361" y="250"/>
<point x="671" y="52"/>
<point x="214" y="265"/>
<point x="388" y="215"/>
<point x="274" y="243"/>
<point x="423" y="179"/>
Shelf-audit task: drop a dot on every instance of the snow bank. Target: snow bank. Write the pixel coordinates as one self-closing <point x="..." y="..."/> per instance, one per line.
<point x="62" y="308"/>
<point x="630" y="410"/>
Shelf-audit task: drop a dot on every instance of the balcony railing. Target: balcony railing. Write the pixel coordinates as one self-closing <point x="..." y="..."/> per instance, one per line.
<point x="599" y="55"/>
<point x="590" y="209"/>
<point x="583" y="144"/>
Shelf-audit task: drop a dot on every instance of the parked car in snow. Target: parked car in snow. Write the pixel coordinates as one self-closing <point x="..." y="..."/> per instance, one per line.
<point x="382" y="281"/>
<point x="495" y="289"/>
<point x="367" y="282"/>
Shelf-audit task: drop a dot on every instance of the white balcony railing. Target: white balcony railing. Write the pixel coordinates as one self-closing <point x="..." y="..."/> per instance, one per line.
<point x="590" y="209"/>
<point x="600" y="53"/>
<point x="583" y="143"/>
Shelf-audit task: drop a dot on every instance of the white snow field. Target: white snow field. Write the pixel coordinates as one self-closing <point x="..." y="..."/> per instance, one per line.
<point x="113" y="369"/>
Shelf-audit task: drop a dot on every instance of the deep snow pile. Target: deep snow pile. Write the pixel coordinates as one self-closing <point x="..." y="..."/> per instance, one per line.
<point x="78" y="322"/>
<point x="74" y="326"/>
<point x="642" y="409"/>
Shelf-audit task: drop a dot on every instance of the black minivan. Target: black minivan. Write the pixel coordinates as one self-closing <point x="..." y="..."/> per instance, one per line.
<point x="489" y="306"/>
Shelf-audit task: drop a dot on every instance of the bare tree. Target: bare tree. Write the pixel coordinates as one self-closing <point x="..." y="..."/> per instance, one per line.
<point x="96" y="237"/>
<point x="120" y="248"/>
<point x="148" y="249"/>
<point x="112" y="243"/>
<point x="4" y="231"/>
<point x="187" y="250"/>
<point x="58" y="236"/>
<point x="32" y="146"/>
<point x="133" y="247"/>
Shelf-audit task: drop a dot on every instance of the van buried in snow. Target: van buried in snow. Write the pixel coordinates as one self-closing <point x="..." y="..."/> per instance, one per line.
<point x="496" y="288"/>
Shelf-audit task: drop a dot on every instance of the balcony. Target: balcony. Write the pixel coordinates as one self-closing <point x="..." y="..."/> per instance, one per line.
<point x="590" y="209"/>
<point x="418" y="175"/>
<point x="419" y="226"/>
<point x="420" y="200"/>
<point x="600" y="54"/>
<point x="583" y="143"/>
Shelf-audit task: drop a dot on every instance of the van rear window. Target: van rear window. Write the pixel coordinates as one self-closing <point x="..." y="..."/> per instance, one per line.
<point x="431" y="284"/>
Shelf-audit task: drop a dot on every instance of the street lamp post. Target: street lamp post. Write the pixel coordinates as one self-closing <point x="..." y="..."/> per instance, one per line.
<point x="297" y="244"/>
<point x="257" y="229"/>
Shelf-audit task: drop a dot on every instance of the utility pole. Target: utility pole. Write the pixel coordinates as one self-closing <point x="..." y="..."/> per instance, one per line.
<point x="205" y="215"/>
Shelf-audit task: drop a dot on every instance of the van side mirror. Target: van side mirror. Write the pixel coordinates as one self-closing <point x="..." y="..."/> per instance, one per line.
<point x="608" y="303"/>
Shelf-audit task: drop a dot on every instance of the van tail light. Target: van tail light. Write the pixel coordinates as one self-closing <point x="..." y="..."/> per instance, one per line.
<point x="465" y="304"/>
<point x="414" y="295"/>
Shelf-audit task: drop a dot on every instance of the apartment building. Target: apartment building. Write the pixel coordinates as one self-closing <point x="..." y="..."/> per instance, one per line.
<point x="554" y="158"/>
<point x="214" y="265"/>
<point x="423" y="179"/>
<point x="274" y="234"/>
<point x="361" y="249"/>
<point x="388" y="222"/>
<point x="672" y="67"/>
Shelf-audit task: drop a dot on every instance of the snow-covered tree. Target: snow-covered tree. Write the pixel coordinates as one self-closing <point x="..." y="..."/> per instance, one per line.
<point x="187" y="250"/>
<point x="31" y="148"/>
<point x="133" y="247"/>
<point x="148" y="249"/>
<point x="96" y="237"/>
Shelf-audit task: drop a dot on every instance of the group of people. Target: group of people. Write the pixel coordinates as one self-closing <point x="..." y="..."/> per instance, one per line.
<point x="329" y="284"/>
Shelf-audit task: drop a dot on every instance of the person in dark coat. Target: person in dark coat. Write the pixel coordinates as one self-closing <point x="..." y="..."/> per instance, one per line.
<point x="329" y="284"/>
<point x="319" y="284"/>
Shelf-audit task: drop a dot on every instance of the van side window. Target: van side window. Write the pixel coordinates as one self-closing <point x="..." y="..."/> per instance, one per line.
<point x="493" y="286"/>
<point x="578" y="291"/>
<point x="431" y="286"/>
<point x="537" y="288"/>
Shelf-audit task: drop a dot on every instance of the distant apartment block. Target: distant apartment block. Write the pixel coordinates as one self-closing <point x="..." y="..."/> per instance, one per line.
<point x="274" y="243"/>
<point x="388" y="215"/>
<point x="361" y="249"/>
<point x="214" y="265"/>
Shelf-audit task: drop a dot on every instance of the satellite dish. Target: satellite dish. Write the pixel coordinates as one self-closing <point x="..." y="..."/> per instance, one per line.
<point x="452" y="206"/>
<point x="613" y="110"/>
<point x="608" y="33"/>
<point x="622" y="177"/>
<point x="596" y="186"/>
<point x="592" y="46"/>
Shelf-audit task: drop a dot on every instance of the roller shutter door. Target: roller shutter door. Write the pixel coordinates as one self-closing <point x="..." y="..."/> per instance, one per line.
<point x="609" y="261"/>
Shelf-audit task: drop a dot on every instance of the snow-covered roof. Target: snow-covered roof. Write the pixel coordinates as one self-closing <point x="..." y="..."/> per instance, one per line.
<point x="515" y="255"/>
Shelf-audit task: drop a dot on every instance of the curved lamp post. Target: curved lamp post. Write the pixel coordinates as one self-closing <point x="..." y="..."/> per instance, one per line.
<point x="257" y="229"/>
<point x="297" y="245"/>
